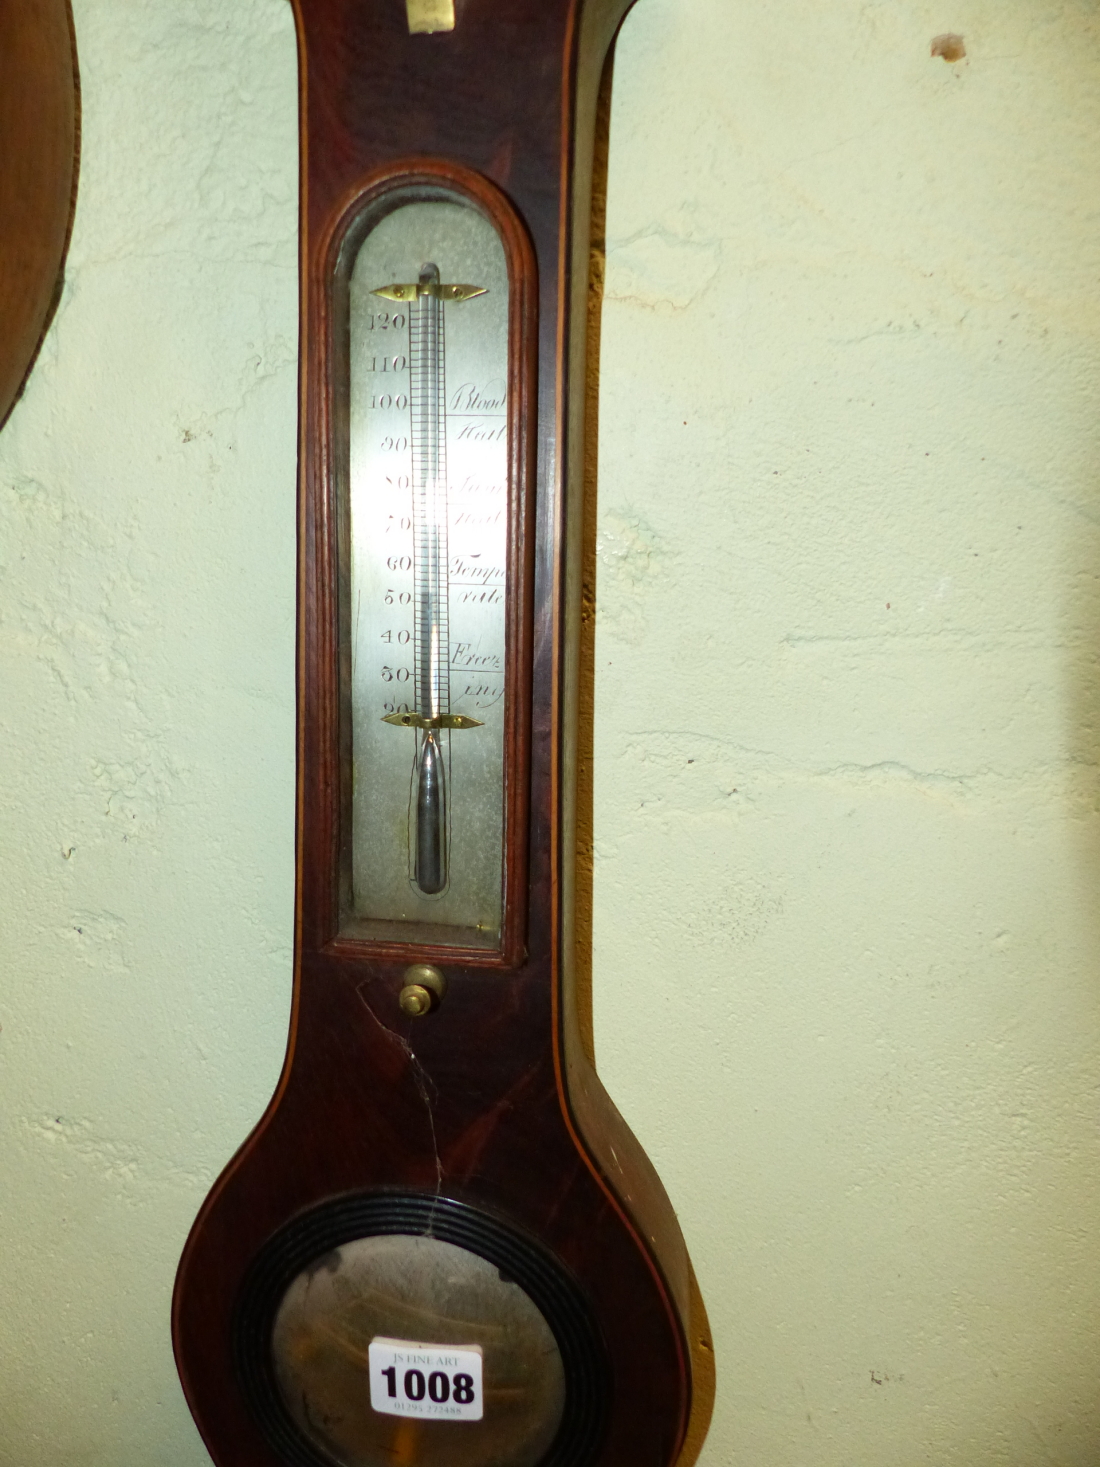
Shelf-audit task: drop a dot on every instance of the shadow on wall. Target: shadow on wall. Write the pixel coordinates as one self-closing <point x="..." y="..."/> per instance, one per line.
<point x="701" y="1343"/>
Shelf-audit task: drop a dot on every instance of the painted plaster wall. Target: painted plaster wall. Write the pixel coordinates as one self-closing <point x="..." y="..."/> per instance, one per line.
<point x="146" y="722"/>
<point x="846" y="782"/>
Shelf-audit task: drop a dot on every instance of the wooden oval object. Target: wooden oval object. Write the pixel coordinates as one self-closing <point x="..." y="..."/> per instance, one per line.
<point x="479" y="1122"/>
<point x="39" y="115"/>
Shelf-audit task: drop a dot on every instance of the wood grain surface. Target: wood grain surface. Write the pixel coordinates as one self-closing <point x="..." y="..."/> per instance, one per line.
<point x="39" y="120"/>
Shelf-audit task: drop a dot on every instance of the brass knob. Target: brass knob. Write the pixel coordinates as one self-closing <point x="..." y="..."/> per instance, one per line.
<point x="422" y="991"/>
<point x="415" y="1000"/>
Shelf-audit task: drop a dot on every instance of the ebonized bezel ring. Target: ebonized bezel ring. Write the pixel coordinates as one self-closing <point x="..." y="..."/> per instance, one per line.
<point x="321" y="1229"/>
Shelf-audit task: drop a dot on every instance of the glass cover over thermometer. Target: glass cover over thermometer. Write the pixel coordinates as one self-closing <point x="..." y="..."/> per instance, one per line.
<point x="429" y="527"/>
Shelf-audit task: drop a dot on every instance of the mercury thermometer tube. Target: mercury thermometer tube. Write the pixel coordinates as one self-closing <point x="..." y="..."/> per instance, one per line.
<point x="428" y="815"/>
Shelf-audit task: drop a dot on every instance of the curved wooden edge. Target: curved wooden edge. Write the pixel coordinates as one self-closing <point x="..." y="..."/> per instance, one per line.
<point x="703" y="1375"/>
<point x="699" y="1338"/>
<point x="613" y="1145"/>
<point x="39" y="165"/>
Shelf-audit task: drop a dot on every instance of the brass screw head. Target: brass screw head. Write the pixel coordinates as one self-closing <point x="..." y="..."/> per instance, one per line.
<point x="415" y="1001"/>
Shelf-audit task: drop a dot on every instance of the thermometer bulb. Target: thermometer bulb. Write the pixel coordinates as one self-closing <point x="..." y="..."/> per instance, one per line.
<point x="430" y="864"/>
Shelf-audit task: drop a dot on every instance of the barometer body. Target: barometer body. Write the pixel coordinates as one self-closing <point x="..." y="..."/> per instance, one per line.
<point x="441" y="1245"/>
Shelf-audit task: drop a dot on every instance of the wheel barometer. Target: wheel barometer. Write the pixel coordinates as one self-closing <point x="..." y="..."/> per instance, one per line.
<point x="441" y="1247"/>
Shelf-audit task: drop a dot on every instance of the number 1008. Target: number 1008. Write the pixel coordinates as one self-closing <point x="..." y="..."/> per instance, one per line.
<point x="438" y="1386"/>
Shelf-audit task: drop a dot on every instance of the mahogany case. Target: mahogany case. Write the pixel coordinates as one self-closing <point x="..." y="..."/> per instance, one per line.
<point x="491" y="1100"/>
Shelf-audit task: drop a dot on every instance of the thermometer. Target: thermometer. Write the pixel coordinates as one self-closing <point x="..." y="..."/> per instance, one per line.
<point x="429" y="591"/>
<point x="432" y="715"/>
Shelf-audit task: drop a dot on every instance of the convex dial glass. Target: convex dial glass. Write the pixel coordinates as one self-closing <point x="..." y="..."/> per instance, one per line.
<point x="401" y="1292"/>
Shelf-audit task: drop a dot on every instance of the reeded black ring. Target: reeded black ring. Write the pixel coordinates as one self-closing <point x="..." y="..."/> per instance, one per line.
<point x="310" y="1235"/>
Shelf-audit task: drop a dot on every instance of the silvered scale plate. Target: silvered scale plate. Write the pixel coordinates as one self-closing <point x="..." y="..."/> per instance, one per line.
<point x="383" y="620"/>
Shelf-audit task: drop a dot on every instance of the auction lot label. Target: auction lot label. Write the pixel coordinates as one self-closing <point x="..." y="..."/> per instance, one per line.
<point x="436" y="1382"/>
